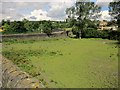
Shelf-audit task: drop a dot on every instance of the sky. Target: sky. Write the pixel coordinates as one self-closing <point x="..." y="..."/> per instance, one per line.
<point x="43" y="10"/>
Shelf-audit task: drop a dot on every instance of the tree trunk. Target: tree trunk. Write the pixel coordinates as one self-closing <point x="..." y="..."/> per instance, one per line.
<point x="80" y="34"/>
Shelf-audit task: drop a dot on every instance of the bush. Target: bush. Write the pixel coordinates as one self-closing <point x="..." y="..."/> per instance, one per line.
<point x="93" y="33"/>
<point x="47" y="28"/>
<point x="105" y="34"/>
<point x="114" y="35"/>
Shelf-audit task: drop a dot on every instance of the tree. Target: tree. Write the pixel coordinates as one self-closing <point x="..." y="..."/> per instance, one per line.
<point x="70" y="22"/>
<point x="29" y="26"/>
<point x="114" y="9"/>
<point x="2" y="22"/>
<point x="7" y="28"/>
<point x="112" y="22"/>
<point x="40" y="28"/>
<point x="21" y="28"/>
<point x="47" y="27"/>
<point x="8" y="22"/>
<point x="16" y="27"/>
<point x="82" y="11"/>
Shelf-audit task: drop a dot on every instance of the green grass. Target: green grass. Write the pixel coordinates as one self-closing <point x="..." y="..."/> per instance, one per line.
<point x="67" y="29"/>
<point x="72" y="63"/>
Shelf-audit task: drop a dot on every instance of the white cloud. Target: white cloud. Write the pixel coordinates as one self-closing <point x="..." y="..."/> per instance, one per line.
<point x="37" y="0"/>
<point x="38" y="15"/>
<point x="8" y="17"/>
<point x="105" y="15"/>
<point x="12" y="9"/>
<point x="31" y="10"/>
<point x="103" y="2"/>
<point x="41" y="10"/>
<point x="57" y="10"/>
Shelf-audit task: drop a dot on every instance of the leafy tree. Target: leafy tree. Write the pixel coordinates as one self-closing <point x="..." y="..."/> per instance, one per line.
<point x="21" y="28"/>
<point x="114" y="9"/>
<point x="82" y="11"/>
<point x="3" y="22"/>
<point x="15" y="27"/>
<point x="47" y="27"/>
<point x="8" y="22"/>
<point x="7" y="28"/>
<point x="40" y="28"/>
<point x="29" y="26"/>
<point x="55" y="25"/>
<point x="112" y="22"/>
<point x="70" y="22"/>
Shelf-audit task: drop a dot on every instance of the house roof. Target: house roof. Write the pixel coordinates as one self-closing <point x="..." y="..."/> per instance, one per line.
<point x="103" y="23"/>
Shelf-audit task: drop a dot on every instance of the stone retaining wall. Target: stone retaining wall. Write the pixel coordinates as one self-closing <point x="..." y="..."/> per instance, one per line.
<point x="13" y="77"/>
<point x="40" y="35"/>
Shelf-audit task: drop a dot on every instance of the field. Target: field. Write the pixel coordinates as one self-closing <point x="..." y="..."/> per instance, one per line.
<point x="73" y="63"/>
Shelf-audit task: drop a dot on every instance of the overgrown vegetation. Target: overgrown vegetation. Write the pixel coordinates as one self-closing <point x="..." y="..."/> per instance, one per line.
<point x="26" y="26"/>
<point x="114" y="9"/>
<point x="84" y="12"/>
<point x="66" y="62"/>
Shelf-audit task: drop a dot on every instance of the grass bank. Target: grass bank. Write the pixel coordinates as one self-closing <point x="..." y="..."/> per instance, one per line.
<point x="72" y="63"/>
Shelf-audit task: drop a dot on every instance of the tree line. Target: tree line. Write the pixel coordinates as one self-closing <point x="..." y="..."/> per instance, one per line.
<point x="26" y="26"/>
<point x="82" y="19"/>
<point x="82" y="16"/>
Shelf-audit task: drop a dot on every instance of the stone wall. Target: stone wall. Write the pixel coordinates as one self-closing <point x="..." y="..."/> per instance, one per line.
<point x="40" y="35"/>
<point x="0" y="67"/>
<point x="13" y="77"/>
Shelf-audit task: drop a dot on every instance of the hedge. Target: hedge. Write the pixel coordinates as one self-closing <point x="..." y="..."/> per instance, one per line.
<point x="105" y="34"/>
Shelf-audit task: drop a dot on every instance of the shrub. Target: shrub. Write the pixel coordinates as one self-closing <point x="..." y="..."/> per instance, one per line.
<point x="47" y="28"/>
<point x="93" y="33"/>
<point x="114" y="35"/>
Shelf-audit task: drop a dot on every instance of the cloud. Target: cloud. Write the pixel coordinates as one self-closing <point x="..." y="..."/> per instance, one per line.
<point x="10" y="11"/>
<point x="33" y="17"/>
<point x="105" y="15"/>
<point x="36" y="0"/>
<point x="42" y="10"/>
<point x="38" y="15"/>
<point x="103" y="2"/>
<point x="31" y="10"/>
<point x="57" y="10"/>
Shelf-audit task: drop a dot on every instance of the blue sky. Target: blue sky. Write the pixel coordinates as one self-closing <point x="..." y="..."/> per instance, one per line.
<point x="54" y="10"/>
<point x="105" y="8"/>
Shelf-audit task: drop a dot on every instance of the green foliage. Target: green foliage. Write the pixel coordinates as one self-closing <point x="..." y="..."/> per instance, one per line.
<point x="114" y="35"/>
<point x="7" y="28"/>
<point x="26" y="26"/>
<point x="29" y="26"/>
<point x="8" y="22"/>
<point x="93" y="33"/>
<point x="47" y="28"/>
<point x="55" y="25"/>
<point x="71" y="22"/>
<point x="84" y="12"/>
<point x="75" y="29"/>
<point x="3" y="22"/>
<point x="105" y="34"/>
<point x="14" y="27"/>
<point x="114" y="9"/>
